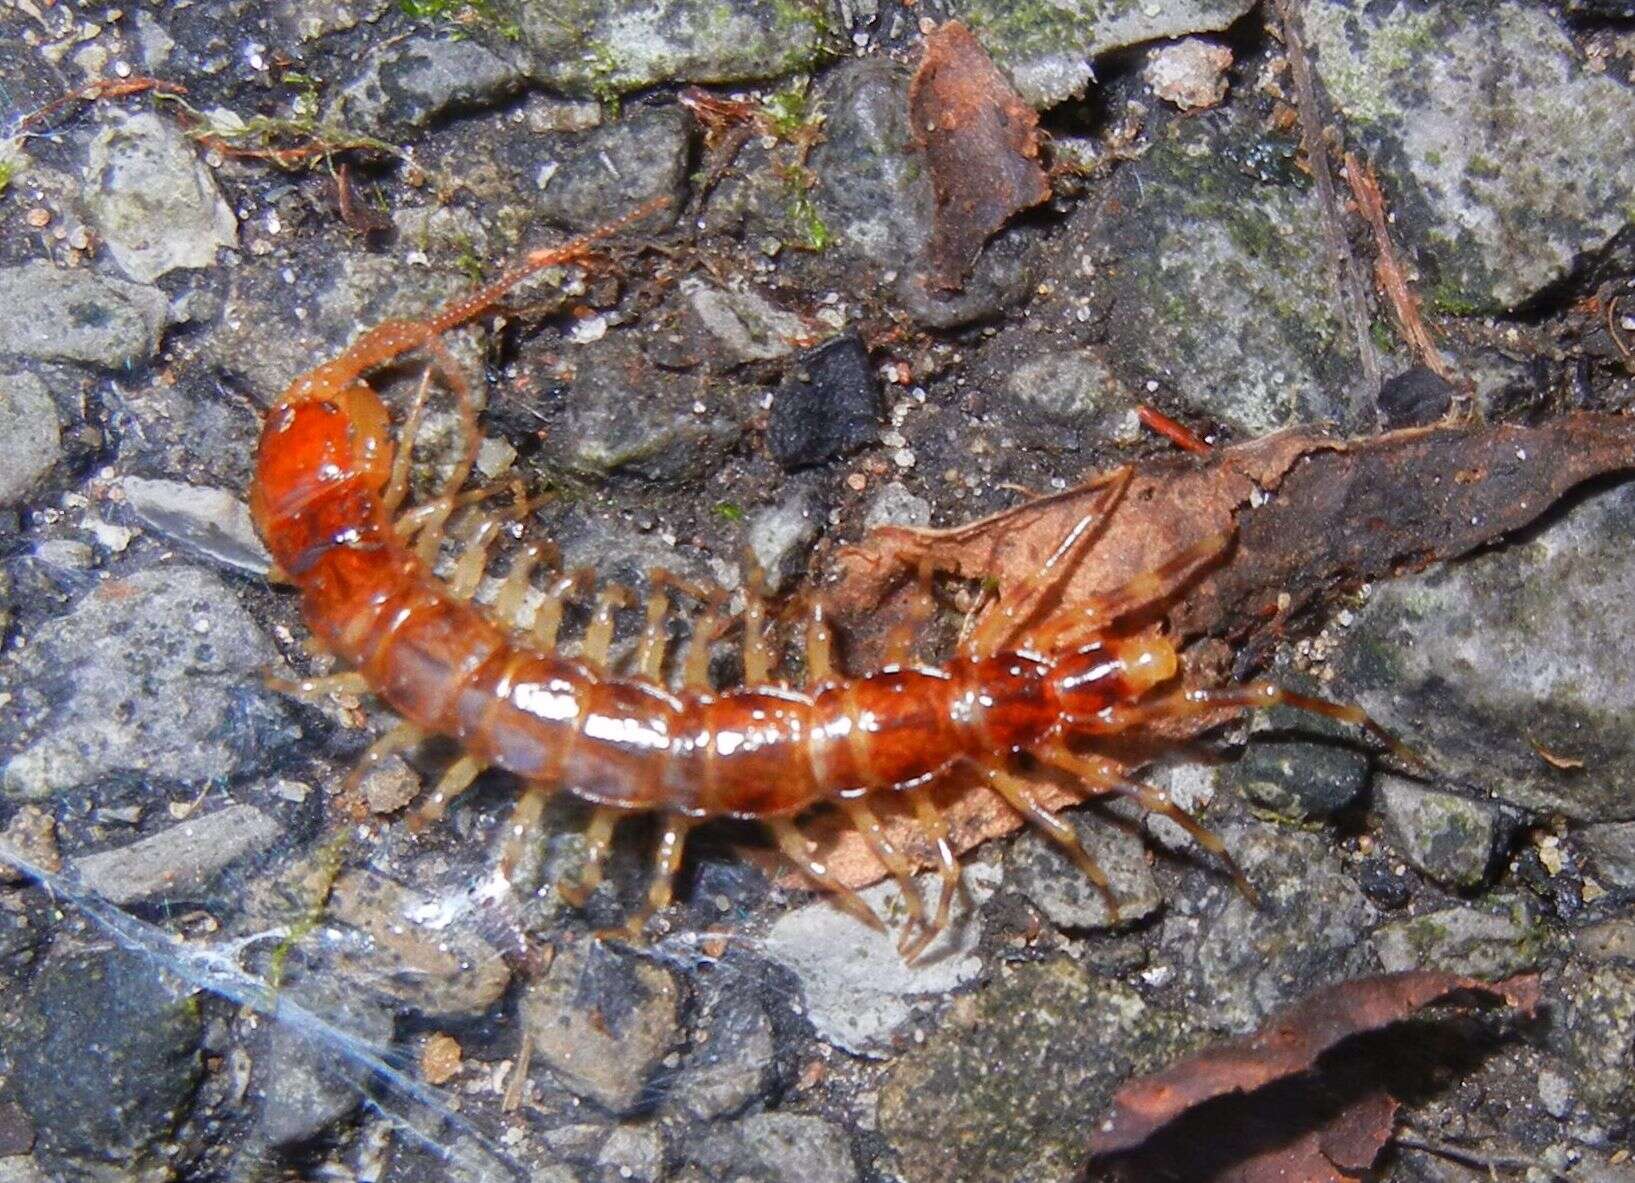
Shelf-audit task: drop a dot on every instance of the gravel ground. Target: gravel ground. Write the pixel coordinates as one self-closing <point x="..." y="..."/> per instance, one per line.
<point x="223" y="984"/>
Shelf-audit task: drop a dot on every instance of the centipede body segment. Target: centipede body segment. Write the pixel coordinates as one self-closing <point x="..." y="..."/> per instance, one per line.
<point x="329" y="496"/>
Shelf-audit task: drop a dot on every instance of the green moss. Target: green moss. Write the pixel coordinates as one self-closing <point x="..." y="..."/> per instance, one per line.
<point x="812" y="233"/>
<point x="463" y="12"/>
<point x="8" y="170"/>
<point x="1450" y="299"/>
<point x="728" y="511"/>
<point x="790" y="111"/>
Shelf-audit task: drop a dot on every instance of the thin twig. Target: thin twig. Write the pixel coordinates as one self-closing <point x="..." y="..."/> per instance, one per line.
<point x="1365" y="187"/>
<point x="1353" y="294"/>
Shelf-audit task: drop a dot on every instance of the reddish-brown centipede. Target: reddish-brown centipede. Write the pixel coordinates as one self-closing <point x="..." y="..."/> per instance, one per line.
<point x="328" y="489"/>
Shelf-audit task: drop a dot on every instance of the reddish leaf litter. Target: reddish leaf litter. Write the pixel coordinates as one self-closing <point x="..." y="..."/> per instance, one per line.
<point x="981" y="142"/>
<point x="1336" y="1139"/>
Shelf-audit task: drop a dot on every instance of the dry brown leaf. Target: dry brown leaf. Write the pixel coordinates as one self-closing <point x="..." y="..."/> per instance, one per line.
<point x="1344" y="1142"/>
<point x="981" y="142"/>
<point x="1312" y="515"/>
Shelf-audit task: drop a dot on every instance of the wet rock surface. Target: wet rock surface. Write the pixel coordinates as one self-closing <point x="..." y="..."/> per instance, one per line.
<point x="766" y="366"/>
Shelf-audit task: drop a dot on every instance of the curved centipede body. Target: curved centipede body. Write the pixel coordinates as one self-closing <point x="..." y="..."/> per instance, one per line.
<point x="328" y="496"/>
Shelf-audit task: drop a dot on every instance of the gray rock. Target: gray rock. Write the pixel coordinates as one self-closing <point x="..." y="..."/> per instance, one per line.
<point x="103" y="1058"/>
<point x="1221" y="288"/>
<point x="588" y="177"/>
<point x="1476" y="662"/>
<point x="896" y="505"/>
<point x="1007" y="1085"/>
<point x="174" y="864"/>
<point x="79" y="316"/>
<point x="828" y="406"/>
<point x="212" y="522"/>
<point x="873" y="190"/>
<point x="602" y="49"/>
<point x="1596" y="1032"/>
<point x="1295" y="778"/>
<point x="1508" y="159"/>
<point x="1076" y="386"/>
<point x="420" y="952"/>
<point x="157" y="674"/>
<point x="1040" y="870"/>
<point x="1246" y="961"/>
<point x="620" y="417"/>
<point x="1046" y="45"/>
<point x="633" y="1152"/>
<point x="305" y="1086"/>
<point x="730" y="1062"/>
<point x="781" y="535"/>
<point x="30" y="434"/>
<point x="601" y="1021"/>
<point x="1450" y="838"/>
<point x="1191" y="73"/>
<point x="858" y="989"/>
<point x="777" y="1148"/>
<point x="1611" y="849"/>
<point x="152" y="199"/>
<point x="1499" y="937"/>
<point x="748" y="326"/>
<point x="319" y="313"/>
<point x="407" y="84"/>
<point x="1609" y="941"/>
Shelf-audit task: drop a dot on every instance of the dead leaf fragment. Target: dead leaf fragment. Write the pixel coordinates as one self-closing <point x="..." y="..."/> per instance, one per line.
<point x="1288" y="1044"/>
<point x="1312" y="515"/>
<point x="981" y="142"/>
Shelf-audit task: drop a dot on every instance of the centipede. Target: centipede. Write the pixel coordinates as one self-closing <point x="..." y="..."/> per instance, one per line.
<point x="652" y="734"/>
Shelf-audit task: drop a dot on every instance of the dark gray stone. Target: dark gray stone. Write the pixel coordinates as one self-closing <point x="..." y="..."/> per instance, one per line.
<point x="1506" y="158"/>
<point x="1494" y="939"/>
<point x="1611" y="850"/>
<point x="1046" y="47"/>
<point x="587" y="177"/>
<point x="157" y="674"/>
<point x="1537" y="632"/>
<point x="1415" y="397"/>
<point x="79" y="316"/>
<point x="601" y="1021"/>
<point x="304" y="1085"/>
<point x="1241" y="961"/>
<point x="731" y="1061"/>
<point x="602" y="49"/>
<point x="407" y="84"/>
<point x="152" y="199"/>
<point x="1296" y="779"/>
<point x="777" y="1148"/>
<point x="1008" y="1084"/>
<point x="829" y="406"/>
<point x="1450" y="838"/>
<point x="1210" y="248"/>
<point x="104" y="1057"/>
<point x="1595" y="1029"/>
<point x="30" y="434"/>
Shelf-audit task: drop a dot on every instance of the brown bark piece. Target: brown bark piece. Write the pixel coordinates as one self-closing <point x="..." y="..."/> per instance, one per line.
<point x="981" y="142"/>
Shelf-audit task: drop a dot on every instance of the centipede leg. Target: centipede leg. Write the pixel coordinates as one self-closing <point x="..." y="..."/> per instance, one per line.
<point x="595" y="649"/>
<point x="666" y="863"/>
<point x="456" y="779"/>
<point x="899" y="646"/>
<point x="315" y="690"/>
<point x="1105" y="775"/>
<point x="757" y="648"/>
<point x="880" y="843"/>
<point x="598" y="841"/>
<point x="1094" y="614"/>
<point x="403" y="736"/>
<point x="548" y="619"/>
<point x="1006" y="618"/>
<point x="509" y="602"/>
<point x="934" y="826"/>
<point x="797" y="848"/>
<point x="473" y="561"/>
<point x="397" y="486"/>
<point x="655" y="636"/>
<point x="522" y="825"/>
<point x="1019" y="797"/>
